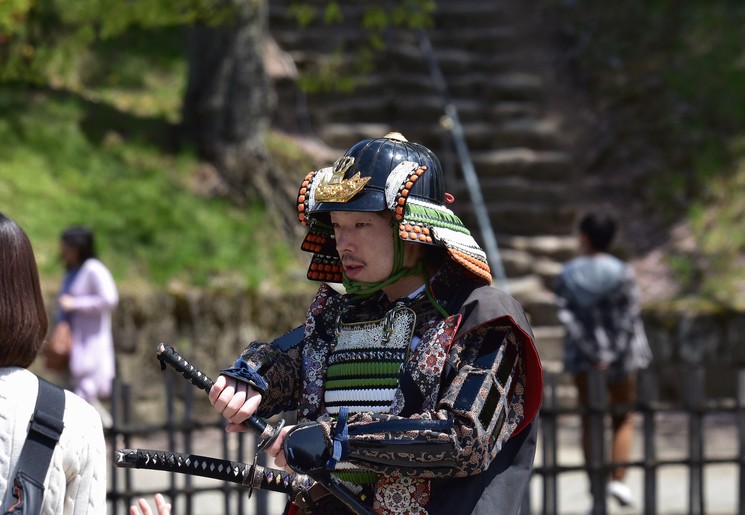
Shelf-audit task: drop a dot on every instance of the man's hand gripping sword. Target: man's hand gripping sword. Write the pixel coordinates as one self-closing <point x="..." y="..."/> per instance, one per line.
<point x="167" y="355"/>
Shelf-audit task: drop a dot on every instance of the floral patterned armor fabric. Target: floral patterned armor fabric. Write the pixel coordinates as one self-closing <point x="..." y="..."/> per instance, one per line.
<point x="429" y="402"/>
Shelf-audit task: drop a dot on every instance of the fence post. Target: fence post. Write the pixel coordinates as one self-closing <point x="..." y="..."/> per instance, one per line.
<point x="549" y="458"/>
<point x="647" y="388"/>
<point x="127" y="416"/>
<point x="741" y="433"/>
<point x="597" y="407"/>
<point x="114" y="435"/>
<point x="694" y="398"/>
<point x="186" y="435"/>
<point x="173" y="490"/>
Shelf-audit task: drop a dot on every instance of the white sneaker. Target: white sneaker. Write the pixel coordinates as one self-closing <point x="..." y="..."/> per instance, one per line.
<point x="621" y="493"/>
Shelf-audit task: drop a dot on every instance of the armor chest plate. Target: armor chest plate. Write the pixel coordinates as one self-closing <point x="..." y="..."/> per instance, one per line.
<point x="366" y="360"/>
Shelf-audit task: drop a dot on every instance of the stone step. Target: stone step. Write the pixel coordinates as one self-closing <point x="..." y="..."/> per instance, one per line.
<point x="518" y="263"/>
<point x="490" y="89"/>
<point x="515" y="263"/>
<point x="528" y="163"/>
<point x="478" y="39"/>
<point x="344" y="135"/>
<point x="549" y="341"/>
<point x="536" y="134"/>
<point x="479" y="135"/>
<point x="538" y="302"/>
<point x="513" y="109"/>
<point x="518" y="188"/>
<point x="350" y="39"/>
<point x="520" y="218"/>
<point x="548" y="270"/>
<point x="556" y="247"/>
<point x="497" y="88"/>
<point x="408" y="60"/>
<point x="404" y="105"/>
<point x="487" y="139"/>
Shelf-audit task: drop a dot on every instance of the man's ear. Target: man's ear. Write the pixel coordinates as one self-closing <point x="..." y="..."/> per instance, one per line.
<point x="413" y="253"/>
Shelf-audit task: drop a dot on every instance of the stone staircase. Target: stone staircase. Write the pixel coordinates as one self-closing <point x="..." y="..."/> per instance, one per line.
<point x="492" y="66"/>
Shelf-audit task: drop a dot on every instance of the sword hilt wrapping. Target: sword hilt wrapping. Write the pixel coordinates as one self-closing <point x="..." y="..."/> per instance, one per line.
<point x="167" y="355"/>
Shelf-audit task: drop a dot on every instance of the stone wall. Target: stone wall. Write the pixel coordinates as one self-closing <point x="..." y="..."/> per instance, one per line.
<point x="684" y="338"/>
<point x="208" y="328"/>
<point x="211" y="328"/>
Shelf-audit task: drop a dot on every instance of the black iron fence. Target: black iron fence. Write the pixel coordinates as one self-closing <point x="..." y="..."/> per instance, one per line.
<point x="183" y="432"/>
<point x="697" y="420"/>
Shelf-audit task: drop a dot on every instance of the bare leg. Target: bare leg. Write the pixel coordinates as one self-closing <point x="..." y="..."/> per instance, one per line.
<point x="622" y="393"/>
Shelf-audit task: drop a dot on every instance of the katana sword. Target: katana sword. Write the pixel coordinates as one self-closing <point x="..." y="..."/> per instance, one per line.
<point x="252" y="476"/>
<point x="167" y="355"/>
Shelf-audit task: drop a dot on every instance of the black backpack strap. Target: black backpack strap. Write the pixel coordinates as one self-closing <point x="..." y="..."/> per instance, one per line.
<point x="44" y="430"/>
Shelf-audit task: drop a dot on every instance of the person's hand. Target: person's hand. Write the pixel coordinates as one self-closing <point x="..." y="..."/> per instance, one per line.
<point x="143" y="507"/>
<point x="276" y="450"/>
<point x="66" y="302"/>
<point x="234" y="400"/>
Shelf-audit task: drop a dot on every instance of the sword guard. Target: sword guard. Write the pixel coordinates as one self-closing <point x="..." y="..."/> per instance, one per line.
<point x="266" y="442"/>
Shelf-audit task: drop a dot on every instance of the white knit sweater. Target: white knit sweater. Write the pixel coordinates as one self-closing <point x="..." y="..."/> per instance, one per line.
<point x="76" y="480"/>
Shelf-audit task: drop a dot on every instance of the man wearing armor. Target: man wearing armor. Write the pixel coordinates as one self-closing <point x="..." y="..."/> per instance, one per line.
<point x="418" y="387"/>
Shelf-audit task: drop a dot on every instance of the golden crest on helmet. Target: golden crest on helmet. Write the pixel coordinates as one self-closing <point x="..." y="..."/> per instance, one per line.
<point x="338" y="189"/>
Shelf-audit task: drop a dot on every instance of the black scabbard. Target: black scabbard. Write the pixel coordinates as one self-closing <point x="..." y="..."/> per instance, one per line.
<point x="251" y="476"/>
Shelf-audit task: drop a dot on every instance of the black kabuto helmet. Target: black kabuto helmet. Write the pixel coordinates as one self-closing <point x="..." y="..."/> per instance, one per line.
<point x="388" y="173"/>
<point x="374" y="160"/>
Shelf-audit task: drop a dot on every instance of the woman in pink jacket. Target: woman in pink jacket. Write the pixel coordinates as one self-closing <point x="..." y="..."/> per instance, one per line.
<point x="87" y="298"/>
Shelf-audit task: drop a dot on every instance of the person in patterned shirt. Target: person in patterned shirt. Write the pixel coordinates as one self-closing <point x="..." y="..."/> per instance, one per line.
<point x="597" y="299"/>
<point x="419" y="386"/>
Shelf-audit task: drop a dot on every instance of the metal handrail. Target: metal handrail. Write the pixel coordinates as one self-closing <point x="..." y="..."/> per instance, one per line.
<point x="469" y="173"/>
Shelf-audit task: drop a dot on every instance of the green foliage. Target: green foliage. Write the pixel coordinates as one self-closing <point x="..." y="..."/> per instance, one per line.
<point x="675" y="68"/>
<point x="100" y="152"/>
<point x="37" y="39"/>
<point x="671" y="75"/>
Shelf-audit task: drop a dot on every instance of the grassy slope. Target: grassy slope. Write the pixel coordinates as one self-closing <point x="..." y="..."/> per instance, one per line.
<point x="96" y="150"/>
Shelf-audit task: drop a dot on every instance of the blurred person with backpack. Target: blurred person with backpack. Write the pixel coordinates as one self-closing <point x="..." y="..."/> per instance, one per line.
<point x="598" y="305"/>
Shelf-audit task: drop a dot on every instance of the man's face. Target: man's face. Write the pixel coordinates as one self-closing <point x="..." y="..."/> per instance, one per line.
<point x="364" y="242"/>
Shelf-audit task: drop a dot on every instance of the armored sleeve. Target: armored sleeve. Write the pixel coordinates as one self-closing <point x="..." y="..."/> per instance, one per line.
<point x="273" y="369"/>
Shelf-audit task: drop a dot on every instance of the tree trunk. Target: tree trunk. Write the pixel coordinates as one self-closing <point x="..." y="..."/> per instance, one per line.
<point x="228" y="106"/>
